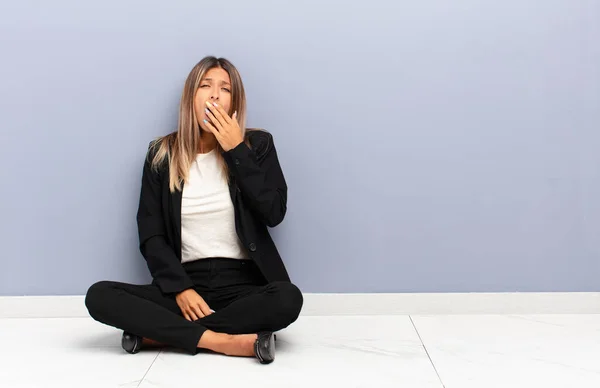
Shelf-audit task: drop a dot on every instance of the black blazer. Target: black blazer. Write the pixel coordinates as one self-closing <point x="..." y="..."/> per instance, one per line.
<point x="259" y="194"/>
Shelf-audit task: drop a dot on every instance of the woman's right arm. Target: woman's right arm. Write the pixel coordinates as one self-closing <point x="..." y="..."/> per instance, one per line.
<point x="164" y="265"/>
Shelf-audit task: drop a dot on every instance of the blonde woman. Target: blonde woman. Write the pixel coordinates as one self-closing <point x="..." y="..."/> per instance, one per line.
<point x="209" y="191"/>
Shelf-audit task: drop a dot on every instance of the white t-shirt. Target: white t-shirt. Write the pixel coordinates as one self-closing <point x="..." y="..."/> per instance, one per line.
<point x="207" y="213"/>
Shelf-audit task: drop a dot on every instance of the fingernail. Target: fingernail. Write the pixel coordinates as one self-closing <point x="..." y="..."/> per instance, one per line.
<point x="208" y="103"/>
<point x="215" y="104"/>
<point x="206" y="110"/>
<point x="205" y="121"/>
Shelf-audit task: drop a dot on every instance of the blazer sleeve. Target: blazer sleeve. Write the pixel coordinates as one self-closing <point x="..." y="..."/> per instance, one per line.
<point x="260" y="178"/>
<point x="164" y="265"/>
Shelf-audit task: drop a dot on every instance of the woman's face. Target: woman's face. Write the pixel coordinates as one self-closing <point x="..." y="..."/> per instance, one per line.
<point x="214" y="87"/>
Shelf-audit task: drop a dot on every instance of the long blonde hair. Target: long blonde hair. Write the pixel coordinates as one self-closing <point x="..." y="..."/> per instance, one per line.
<point x="181" y="147"/>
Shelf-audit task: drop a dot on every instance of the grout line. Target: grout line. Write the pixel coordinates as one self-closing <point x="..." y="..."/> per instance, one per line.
<point x="150" y="367"/>
<point x="426" y="351"/>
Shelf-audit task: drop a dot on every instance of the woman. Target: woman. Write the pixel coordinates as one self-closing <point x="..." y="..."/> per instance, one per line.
<point x="209" y="191"/>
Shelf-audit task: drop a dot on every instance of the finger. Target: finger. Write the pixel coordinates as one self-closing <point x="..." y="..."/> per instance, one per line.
<point x="186" y="316"/>
<point x="219" y="113"/>
<point x="192" y="314"/>
<point x="212" y="129"/>
<point x="198" y="311"/>
<point x="223" y="113"/>
<point x="214" y="120"/>
<point x="205" y="309"/>
<point x="234" y="115"/>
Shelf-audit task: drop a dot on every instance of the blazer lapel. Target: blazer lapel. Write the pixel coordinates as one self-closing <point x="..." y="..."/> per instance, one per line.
<point x="232" y="188"/>
<point x="176" y="212"/>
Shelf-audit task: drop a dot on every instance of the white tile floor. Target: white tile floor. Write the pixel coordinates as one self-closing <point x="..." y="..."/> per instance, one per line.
<point x="353" y="351"/>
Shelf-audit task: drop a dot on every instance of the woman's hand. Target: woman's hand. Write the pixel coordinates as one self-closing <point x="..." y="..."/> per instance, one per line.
<point x="226" y="129"/>
<point x="192" y="305"/>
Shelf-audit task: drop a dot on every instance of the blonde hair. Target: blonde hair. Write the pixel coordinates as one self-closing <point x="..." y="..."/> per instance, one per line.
<point x="181" y="147"/>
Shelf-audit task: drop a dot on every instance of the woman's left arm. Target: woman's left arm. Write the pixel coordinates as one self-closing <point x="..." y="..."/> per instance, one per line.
<point x="257" y="170"/>
<point x="259" y="175"/>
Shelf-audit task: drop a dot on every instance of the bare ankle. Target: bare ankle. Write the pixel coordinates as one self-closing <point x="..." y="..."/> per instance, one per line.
<point x="151" y="343"/>
<point x="229" y="344"/>
<point x="209" y="339"/>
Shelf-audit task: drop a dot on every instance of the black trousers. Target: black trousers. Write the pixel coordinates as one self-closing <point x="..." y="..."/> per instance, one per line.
<point x="243" y="301"/>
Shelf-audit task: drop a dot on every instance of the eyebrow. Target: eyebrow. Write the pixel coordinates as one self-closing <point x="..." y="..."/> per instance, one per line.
<point x="222" y="82"/>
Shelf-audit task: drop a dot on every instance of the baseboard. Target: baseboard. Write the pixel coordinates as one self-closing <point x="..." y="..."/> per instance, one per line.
<point x="358" y="304"/>
<point x="453" y="303"/>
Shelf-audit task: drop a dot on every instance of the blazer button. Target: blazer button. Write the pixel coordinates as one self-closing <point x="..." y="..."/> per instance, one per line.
<point x="252" y="247"/>
<point x="237" y="161"/>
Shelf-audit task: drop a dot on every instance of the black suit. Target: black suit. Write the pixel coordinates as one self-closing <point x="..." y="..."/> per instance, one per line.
<point x="238" y="290"/>
<point x="259" y="194"/>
